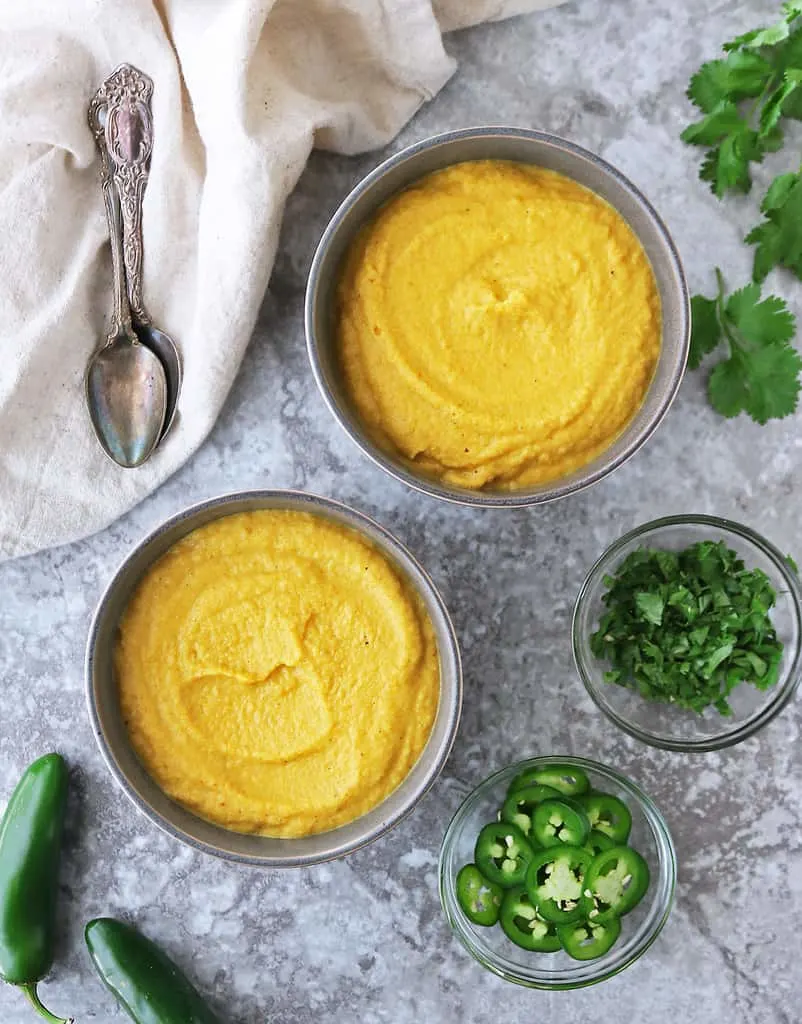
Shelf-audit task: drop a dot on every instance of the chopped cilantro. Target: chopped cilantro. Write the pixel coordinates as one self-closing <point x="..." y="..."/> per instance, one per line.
<point x="688" y="627"/>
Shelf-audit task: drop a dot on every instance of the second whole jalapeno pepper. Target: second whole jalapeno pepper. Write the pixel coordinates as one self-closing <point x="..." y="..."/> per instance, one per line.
<point x="503" y="854"/>
<point x="146" y="982"/>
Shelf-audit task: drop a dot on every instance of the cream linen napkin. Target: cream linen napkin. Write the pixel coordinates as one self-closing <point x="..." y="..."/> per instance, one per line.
<point x="243" y="91"/>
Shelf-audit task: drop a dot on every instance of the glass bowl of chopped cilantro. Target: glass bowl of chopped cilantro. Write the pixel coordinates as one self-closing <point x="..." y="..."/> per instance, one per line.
<point x="557" y="872"/>
<point x="687" y="630"/>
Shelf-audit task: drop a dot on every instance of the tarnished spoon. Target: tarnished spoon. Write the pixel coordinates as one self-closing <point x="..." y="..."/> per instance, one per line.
<point x="130" y="144"/>
<point x="126" y="386"/>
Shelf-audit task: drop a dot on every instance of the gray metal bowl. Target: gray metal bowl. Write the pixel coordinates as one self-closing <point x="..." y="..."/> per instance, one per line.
<point x="524" y="146"/>
<point x="112" y="737"/>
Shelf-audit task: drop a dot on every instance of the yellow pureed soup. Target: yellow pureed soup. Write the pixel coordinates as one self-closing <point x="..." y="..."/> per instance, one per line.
<point x="276" y="673"/>
<point x="498" y="325"/>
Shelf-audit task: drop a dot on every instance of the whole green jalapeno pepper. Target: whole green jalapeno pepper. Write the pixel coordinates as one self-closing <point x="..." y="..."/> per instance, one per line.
<point x="30" y="848"/>
<point x="144" y="979"/>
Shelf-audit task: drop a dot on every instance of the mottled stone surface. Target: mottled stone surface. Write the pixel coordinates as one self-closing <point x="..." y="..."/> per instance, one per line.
<point x="364" y="940"/>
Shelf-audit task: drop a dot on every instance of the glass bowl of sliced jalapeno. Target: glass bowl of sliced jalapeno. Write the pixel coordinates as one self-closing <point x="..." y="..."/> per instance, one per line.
<point x="557" y="872"/>
<point x="686" y="632"/>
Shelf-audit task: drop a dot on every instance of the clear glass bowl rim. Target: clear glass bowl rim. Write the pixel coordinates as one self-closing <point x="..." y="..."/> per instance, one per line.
<point x="666" y="880"/>
<point x="783" y="693"/>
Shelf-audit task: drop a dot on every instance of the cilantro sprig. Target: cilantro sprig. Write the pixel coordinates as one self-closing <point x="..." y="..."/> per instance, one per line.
<point x="779" y="237"/>
<point x="761" y="373"/>
<point x="744" y="98"/>
<point x="688" y="627"/>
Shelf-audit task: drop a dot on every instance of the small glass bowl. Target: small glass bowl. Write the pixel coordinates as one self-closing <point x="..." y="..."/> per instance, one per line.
<point x="491" y="947"/>
<point x="661" y="724"/>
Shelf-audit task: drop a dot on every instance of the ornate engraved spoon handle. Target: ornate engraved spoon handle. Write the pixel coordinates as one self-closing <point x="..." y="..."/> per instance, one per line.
<point x="97" y="120"/>
<point x="129" y="141"/>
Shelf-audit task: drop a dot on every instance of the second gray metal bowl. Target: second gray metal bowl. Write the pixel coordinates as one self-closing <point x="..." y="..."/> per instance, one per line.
<point x="178" y="821"/>
<point x="524" y="146"/>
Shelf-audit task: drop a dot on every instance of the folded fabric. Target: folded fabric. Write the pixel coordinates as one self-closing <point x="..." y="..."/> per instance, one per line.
<point x="244" y="89"/>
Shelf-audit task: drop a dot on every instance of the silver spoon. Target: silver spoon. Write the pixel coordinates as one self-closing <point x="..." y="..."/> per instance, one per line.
<point x="130" y="145"/>
<point x="126" y="386"/>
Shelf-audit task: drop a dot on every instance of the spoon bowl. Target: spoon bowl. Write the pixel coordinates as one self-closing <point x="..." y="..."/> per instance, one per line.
<point x="126" y="391"/>
<point x="164" y="347"/>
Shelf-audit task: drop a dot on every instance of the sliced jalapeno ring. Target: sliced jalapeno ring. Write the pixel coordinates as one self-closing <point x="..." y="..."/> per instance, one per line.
<point x="559" y="821"/>
<point x="598" y="842"/>
<point x="565" y="778"/>
<point x="524" y="926"/>
<point x="479" y="898"/>
<point x="615" y="882"/>
<point x="521" y="803"/>
<point x="609" y="815"/>
<point x="585" y="941"/>
<point x="555" y="882"/>
<point x="503" y="853"/>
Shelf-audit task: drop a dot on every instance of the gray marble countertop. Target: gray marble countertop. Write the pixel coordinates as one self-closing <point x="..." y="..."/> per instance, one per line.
<point x="364" y="940"/>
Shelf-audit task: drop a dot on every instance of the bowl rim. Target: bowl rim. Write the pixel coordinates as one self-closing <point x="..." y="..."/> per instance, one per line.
<point x="782" y="696"/>
<point x="394" y="467"/>
<point x="666" y="855"/>
<point x="450" y="658"/>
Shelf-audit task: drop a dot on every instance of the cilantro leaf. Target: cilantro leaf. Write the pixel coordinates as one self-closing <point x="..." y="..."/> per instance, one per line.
<point x="772" y="35"/>
<point x="765" y="36"/>
<point x="740" y="75"/>
<point x="778" y="192"/>
<point x="705" y="329"/>
<point x="779" y="237"/>
<point x="789" y="55"/>
<point x="761" y="375"/>
<point x="727" y="166"/>
<point x="770" y="141"/>
<point x="650" y="607"/>
<point x="726" y="388"/>
<point x="760" y="322"/>
<point x="716" y="126"/>
<point x="793" y="106"/>
<point x="764" y="383"/>
<point x="773" y="108"/>
<point x="772" y="382"/>
<point x="789" y="59"/>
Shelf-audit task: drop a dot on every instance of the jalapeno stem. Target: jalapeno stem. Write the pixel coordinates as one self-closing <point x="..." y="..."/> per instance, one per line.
<point x="36" y="1003"/>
